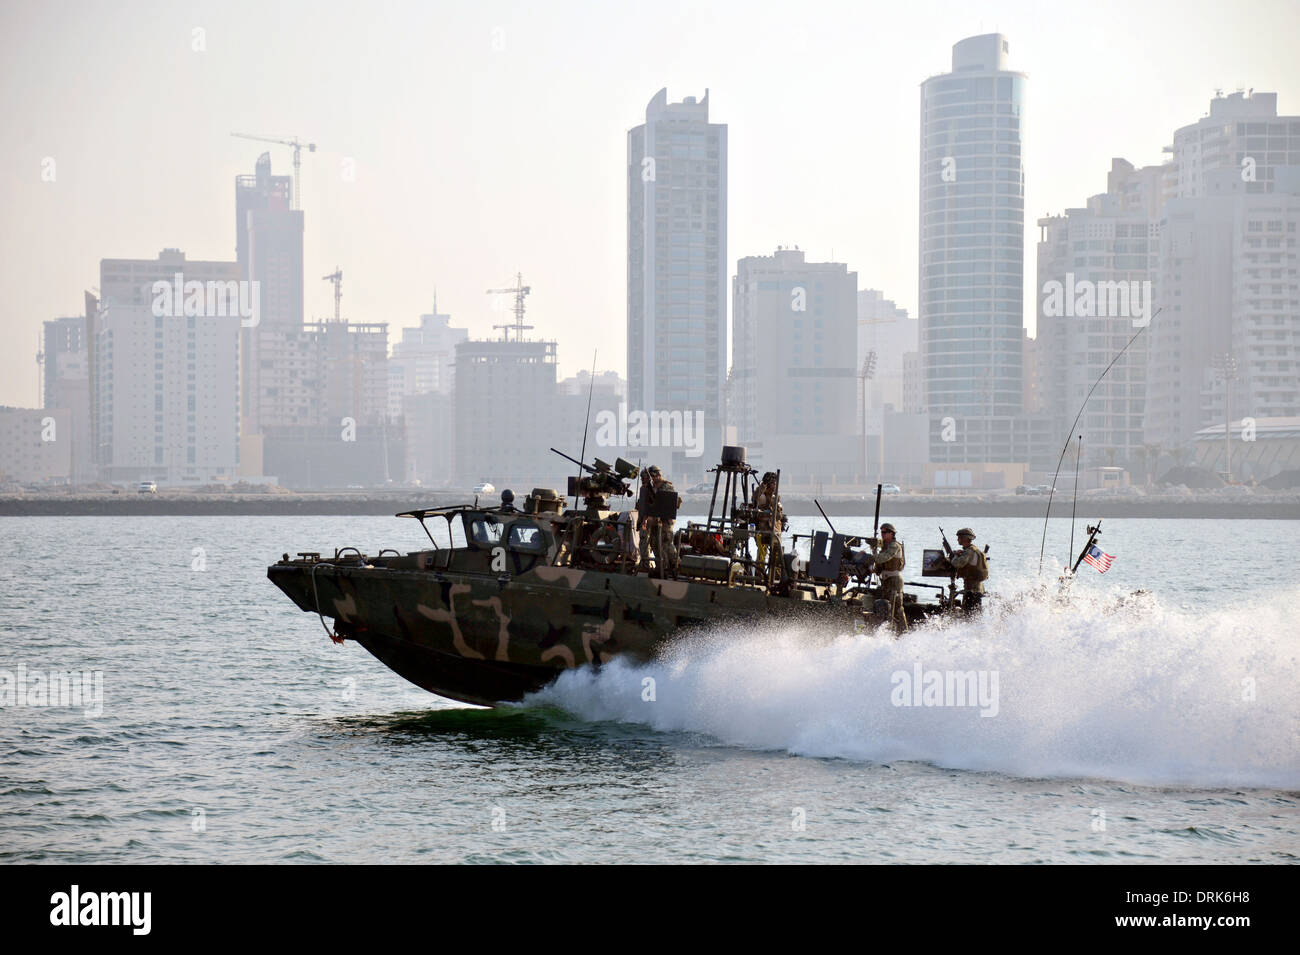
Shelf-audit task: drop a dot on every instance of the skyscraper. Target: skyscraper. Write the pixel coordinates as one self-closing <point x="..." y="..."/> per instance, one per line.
<point x="166" y="391"/>
<point x="972" y="249"/>
<point x="268" y="249"/>
<point x="1227" y="287"/>
<point x="420" y="383"/>
<point x="268" y="242"/>
<point x="794" y="368"/>
<point x="503" y="404"/>
<point x="1103" y="259"/>
<point x="164" y="369"/>
<point x="424" y="359"/>
<point x="676" y="268"/>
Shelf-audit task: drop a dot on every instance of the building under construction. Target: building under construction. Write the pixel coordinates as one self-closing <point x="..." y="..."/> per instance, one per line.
<point x="504" y="399"/>
<point x="333" y="429"/>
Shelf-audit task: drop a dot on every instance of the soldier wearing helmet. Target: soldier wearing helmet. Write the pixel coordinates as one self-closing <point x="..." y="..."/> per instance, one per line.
<point x="890" y="561"/>
<point x="973" y="568"/>
<point x="769" y="516"/>
<point x="658" y="530"/>
<point x="643" y="501"/>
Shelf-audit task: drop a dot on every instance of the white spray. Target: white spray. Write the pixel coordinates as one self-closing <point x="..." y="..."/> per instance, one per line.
<point x="1102" y="687"/>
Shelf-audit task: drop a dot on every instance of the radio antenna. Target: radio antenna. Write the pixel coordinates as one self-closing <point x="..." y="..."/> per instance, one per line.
<point x="1074" y="507"/>
<point x="1052" y="491"/>
<point x="586" y="424"/>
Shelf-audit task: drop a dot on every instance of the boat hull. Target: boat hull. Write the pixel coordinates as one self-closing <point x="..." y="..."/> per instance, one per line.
<point x="486" y="639"/>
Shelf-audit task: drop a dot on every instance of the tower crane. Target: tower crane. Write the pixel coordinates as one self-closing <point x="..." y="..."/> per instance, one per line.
<point x="297" y="146"/>
<point x="337" y="278"/>
<point x="519" y="291"/>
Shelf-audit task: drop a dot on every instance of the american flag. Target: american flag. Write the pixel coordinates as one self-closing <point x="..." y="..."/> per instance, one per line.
<point x="1098" y="558"/>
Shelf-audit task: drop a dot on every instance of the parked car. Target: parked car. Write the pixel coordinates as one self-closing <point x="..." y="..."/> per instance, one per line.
<point x="1033" y="489"/>
<point x="704" y="487"/>
<point x="147" y="487"/>
<point x="484" y="488"/>
<point x="891" y="489"/>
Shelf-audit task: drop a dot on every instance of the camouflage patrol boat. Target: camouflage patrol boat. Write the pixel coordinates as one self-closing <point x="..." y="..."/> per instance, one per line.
<point x="516" y="596"/>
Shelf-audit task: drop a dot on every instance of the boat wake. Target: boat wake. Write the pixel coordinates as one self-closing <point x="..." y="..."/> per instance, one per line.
<point x="1113" y="687"/>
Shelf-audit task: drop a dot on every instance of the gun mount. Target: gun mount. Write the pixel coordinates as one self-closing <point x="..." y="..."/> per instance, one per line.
<point x="601" y="480"/>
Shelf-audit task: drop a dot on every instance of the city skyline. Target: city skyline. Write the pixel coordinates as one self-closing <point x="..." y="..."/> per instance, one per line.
<point x="797" y="175"/>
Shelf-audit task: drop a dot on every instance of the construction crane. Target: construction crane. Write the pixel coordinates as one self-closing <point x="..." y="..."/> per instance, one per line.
<point x="297" y="146"/>
<point x="519" y="291"/>
<point x="337" y="278"/>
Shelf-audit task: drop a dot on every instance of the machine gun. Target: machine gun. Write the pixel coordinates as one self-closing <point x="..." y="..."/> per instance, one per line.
<point x="601" y="480"/>
<point x="935" y="564"/>
<point x="838" y="556"/>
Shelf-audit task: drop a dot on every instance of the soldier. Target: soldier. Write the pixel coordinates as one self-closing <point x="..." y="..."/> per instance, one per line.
<point x="644" y="499"/>
<point x="890" y="561"/>
<point x="973" y="568"/>
<point x="661" y="529"/>
<point x="768" y="505"/>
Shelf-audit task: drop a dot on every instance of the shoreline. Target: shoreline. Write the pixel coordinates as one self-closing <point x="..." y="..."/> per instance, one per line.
<point x="1267" y="508"/>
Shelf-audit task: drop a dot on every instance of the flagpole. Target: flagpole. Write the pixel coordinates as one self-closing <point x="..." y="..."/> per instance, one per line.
<point x="1092" y="539"/>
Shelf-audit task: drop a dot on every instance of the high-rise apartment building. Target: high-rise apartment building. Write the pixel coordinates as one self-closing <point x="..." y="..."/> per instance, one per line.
<point x="972" y="232"/>
<point x="971" y="307"/>
<point x="421" y="377"/>
<point x="163" y="364"/>
<point x="166" y="395"/>
<point x="794" y="366"/>
<point x="425" y="359"/>
<point x="331" y="405"/>
<point x="133" y="282"/>
<point x="677" y="269"/>
<point x="1228" y="329"/>
<point x="504" y="397"/>
<point x="268" y="248"/>
<point x="268" y="243"/>
<point x="1096" y="285"/>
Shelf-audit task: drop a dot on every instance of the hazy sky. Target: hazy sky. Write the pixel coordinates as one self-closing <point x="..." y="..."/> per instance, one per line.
<point x="490" y="138"/>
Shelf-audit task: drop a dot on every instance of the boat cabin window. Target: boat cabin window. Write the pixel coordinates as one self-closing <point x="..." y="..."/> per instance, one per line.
<point x="526" y="537"/>
<point x="482" y="530"/>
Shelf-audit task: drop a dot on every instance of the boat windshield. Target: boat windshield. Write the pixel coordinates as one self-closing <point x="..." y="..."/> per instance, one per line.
<point x="483" y="530"/>
<point x="526" y="537"/>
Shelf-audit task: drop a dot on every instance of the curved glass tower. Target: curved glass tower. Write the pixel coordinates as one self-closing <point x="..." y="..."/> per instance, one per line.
<point x="972" y="236"/>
